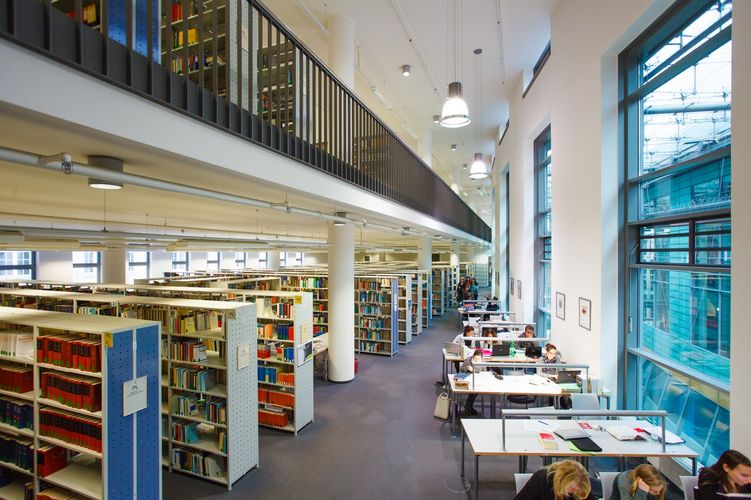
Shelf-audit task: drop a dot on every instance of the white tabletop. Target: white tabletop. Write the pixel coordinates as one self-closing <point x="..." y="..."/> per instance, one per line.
<point x="521" y="439"/>
<point x="320" y="343"/>
<point x="486" y="383"/>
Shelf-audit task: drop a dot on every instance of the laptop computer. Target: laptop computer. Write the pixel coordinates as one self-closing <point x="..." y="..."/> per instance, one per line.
<point x="452" y="348"/>
<point x="567" y="376"/>
<point x="533" y="351"/>
<point x="501" y="349"/>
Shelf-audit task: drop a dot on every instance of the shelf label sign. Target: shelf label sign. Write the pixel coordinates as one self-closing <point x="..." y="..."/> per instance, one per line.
<point x="134" y="395"/>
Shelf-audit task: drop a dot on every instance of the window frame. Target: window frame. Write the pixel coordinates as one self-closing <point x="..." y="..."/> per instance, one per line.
<point x="211" y="262"/>
<point x="84" y="265"/>
<point x="543" y="239"/>
<point x="32" y="266"/>
<point x="185" y="263"/>
<point x="140" y="263"/>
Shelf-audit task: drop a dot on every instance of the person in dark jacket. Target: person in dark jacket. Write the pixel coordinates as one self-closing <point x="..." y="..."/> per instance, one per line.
<point x="565" y="480"/>
<point x="731" y="474"/>
<point x="643" y="483"/>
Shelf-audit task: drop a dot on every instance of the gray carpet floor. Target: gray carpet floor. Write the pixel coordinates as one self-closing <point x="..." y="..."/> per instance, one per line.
<point x="373" y="438"/>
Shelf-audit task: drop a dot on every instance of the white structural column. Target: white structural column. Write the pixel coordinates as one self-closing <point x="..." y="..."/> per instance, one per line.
<point x="342" y="48"/>
<point x="454" y="255"/>
<point x="425" y="253"/>
<point x="113" y="265"/>
<point x="161" y="262"/>
<point x="341" y="303"/>
<point x="272" y="260"/>
<point x="740" y="368"/>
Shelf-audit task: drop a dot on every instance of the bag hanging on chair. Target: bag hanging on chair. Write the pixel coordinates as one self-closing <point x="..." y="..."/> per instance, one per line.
<point x="442" y="406"/>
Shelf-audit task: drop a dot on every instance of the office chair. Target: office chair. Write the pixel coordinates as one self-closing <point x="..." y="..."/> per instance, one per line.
<point x="688" y="483"/>
<point x="607" y="479"/>
<point x="521" y="480"/>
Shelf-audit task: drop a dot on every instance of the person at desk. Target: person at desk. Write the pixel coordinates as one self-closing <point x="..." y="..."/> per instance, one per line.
<point x="643" y="483"/>
<point x="469" y="331"/>
<point x="489" y="333"/>
<point x="551" y="356"/>
<point x="469" y="367"/>
<point x="529" y="333"/>
<point x="492" y="306"/>
<point x="731" y="474"/>
<point x="565" y="480"/>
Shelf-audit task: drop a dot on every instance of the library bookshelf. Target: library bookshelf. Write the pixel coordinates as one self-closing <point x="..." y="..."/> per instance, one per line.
<point x="376" y="311"/>
<point x="416" y="309"/>
<point x="426" y="294"/>
<point x="285" y="360"/>
<point x="405" y="324"/>
<point x="208" y="363"/>
<point x="73" y="377"/>
<point x="318" y="286"/>
<point x="438" y="290"/>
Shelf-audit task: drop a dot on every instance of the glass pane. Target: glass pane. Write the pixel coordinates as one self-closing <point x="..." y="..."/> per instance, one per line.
<point x="138" y="257"/>
<point x="706" y="187"/>
<point x="88" y="274"/>
<point x="671" y="242"/>
<point x="85" y="257"/>
<point x="688" y="115"/>
<point x="697" y="412"/>
<point x="663" y="257"/>
<point x="722" y="225"/>
<point x="684" y="317"/>
<point x="21" y="261"/>
<point x="687" y="35"/>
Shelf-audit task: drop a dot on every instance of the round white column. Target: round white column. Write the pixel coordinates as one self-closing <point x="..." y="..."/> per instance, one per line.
<point x="454" y="255"/>
<point x="425" y="253"/>
<point x="341" y="303"/>
<point x="113" y="265"/>
<point x="272" y="260"/>
<point x="342" y="48"/>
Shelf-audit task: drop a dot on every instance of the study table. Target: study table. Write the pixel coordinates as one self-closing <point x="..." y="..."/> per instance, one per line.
<point x="449" y="358"/>
<point x="321" y="347"/>
<point x="486" y="384"/>
<point x="486" y="438"/>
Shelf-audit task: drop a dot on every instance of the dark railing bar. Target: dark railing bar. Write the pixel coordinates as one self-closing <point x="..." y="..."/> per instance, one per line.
<point x="185" y="53"/>
<point x="149" y="43"/>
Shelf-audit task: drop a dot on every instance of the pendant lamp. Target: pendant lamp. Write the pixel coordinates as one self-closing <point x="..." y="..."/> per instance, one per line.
<point x="455" y="113"/>
<point x="478" y="170"/>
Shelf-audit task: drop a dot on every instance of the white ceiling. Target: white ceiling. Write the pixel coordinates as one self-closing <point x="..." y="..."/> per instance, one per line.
<point x="390" y="33"/>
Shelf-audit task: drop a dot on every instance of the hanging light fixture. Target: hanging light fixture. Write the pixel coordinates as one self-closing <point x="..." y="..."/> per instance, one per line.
<point x="455" y="113"/>
<point x="478" y="170"/>
<point x="108" y="163"/>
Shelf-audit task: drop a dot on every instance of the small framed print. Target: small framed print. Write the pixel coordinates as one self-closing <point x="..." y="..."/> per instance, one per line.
<point x="519" y="289"/>
<point x="560" y="305"/>
<point x="511" y="286"/>
<point x="585" y="313"/>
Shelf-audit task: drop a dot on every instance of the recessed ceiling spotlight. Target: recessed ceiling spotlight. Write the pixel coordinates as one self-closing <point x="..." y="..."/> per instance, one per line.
<point x="453" y="147"/>
<point x="436" y="118"/>
<point x="406" y="69"/>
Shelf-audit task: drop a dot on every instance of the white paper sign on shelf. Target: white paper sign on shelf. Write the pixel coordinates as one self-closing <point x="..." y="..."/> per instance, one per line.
<point x="134" y="395"/>
<point x="243" y="356"/>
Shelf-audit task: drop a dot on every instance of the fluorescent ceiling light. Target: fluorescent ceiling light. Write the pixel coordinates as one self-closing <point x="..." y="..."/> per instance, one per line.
<point x="381" y="97"/>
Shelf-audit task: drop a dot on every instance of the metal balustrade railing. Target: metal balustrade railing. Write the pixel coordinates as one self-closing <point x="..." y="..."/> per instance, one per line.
<point x="233" y="64"/>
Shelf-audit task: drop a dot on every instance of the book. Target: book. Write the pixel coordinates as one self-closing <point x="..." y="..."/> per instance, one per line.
<point x="547" y="441"/>
<point x="625" y="433"/>
<point x="571" y="432"/>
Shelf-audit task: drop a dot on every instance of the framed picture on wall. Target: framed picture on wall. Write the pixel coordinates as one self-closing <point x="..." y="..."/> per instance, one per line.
<point x="519" y="289"/>
<point x="585" y="313"/>
<point x="560" y="305"/>
<point x="511" y="286"/>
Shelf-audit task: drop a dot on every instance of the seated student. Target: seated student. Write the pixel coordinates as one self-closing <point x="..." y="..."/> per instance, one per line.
<point x="551" y="356"/>
<point x="643" y="483"/>
<point x="529" y="333"/>
<point x="565" y="480"/>
<point x="731" y="474"/>
<point x="492" y="306"/>
<point x="468" y="367"/>
<point x="469" y="331"/>
<point x="489" y="333"/>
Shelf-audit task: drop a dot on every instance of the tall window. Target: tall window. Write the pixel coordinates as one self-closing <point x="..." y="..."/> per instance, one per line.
<point x="86" y="267"/>
<point x="180" y="261"/>
<point x="240" y="260"/>
<point x="282" y="259"/>
<point x="213" y="261"/>
<point x="676" y="101"/>
<point x="543" y="242"/>
<point x="19" y="264"/>
<point x="263" y="260"/>
<point x="138" y="266"/>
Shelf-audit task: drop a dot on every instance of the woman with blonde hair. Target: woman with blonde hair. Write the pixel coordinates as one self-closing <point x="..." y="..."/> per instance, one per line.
<point x="643" y="483"/>
<point x="565" y="480"/>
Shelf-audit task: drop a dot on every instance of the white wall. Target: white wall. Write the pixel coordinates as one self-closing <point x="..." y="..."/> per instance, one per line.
<point x="576" y="94"/>
<point x="227" y="261"/>
<point x="740" y="368"/>
<point x="312" y="259"/>
<point x="55" y="266"/>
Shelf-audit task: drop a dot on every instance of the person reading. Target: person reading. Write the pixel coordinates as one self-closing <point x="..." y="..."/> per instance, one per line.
<point x="643" y="483"/>
<point x="469" y="331"/>
<point x="731" y="474"/>
<point x="565" y="480"/>
<point x="469" y="367"/>
<point x="528" y="333"/>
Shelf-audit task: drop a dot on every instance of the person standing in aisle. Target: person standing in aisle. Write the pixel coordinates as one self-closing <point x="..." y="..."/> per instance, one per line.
<point x="473" y="290"/>
<point x="460" y="291"/>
